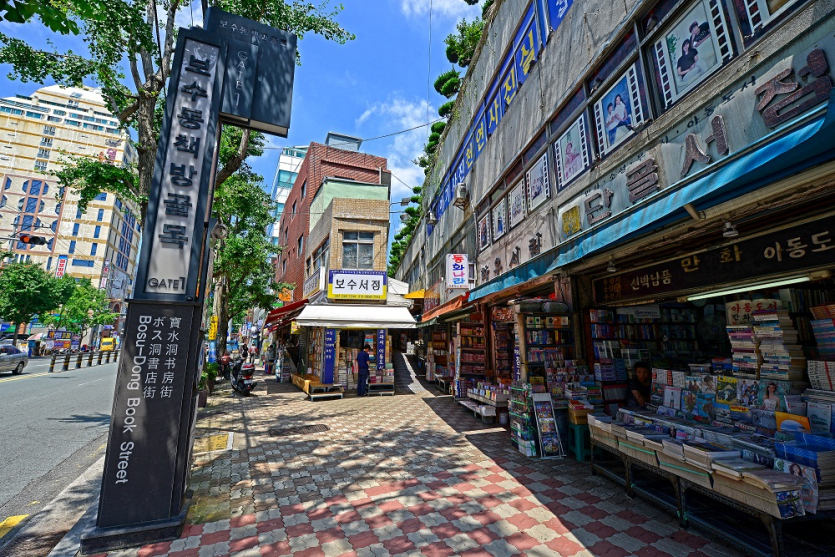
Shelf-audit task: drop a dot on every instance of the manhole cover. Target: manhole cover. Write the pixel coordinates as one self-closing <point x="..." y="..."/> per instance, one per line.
<point x="213" y="443"/>
<point x="298" y="430"/>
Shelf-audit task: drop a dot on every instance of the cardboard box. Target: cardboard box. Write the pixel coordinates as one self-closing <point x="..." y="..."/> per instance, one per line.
<point x="579" y="416"/>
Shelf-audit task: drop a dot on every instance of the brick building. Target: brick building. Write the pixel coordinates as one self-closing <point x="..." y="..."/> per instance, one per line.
<point x="322" y="161"/>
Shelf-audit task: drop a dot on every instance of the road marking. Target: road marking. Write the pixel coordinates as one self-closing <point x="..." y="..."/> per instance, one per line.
<point x="7" y="525"/>
<point x="33" y="503"/>
<point x="23" y="377"/>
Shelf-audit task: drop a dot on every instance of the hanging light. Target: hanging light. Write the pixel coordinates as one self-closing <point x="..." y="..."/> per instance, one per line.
<point x="729" y="230"/>
<point x="611" y="266"/>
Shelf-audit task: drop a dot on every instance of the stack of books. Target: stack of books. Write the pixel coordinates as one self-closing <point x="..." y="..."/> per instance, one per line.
<point x="673" y="448"/>
<point x="734" y="467"/>
<point x="701" y="453"/>
<point x="745" y="349"/>
<point x="782" y="356"/>
<point x="821" y="374"/>
<point x="823" y="327"/>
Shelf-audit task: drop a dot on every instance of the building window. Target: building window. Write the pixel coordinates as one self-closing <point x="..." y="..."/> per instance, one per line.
<point x="101" y="197"/>
<point x="46" y="141"/>
<point x="40" y="166"/>
<point x="82" y="263"/>
<point x="293" y="214"/>
<point x="48" y="263"/>
<point x="75" y="228"/>
<point x="93" y="249"/>
<point x="78" y="213"/>
<point x="72" y="246"/>
<point x="284" y="266"/>
<point x="49" y="130"/>
<point x="320" y="256"/>
<point x="357" y="250"/>
<point x="304" y="188"/>
<point x="100" y="217"/>
<point x="301" y="246"/>
<point x="43" y="153"/>
<point x="97" y="231"/>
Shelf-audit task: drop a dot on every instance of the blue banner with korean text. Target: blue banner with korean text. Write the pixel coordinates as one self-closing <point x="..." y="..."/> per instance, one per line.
<point x="329" y="356"/>
<point x="381" y="349"/>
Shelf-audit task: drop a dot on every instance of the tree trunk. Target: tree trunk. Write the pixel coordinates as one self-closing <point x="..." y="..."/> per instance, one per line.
<point x="222" y="312"/>
<point x="146" y="148"/>
<point x="14" y="337"/>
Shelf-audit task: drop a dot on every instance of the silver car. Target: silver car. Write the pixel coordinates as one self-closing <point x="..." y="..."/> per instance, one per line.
<point x="12" y="359"/>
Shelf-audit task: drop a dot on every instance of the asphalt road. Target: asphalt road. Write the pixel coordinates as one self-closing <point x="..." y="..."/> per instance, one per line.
<point x="54" y="427"/>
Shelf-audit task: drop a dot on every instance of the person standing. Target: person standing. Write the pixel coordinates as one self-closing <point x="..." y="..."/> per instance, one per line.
<point x="253" y="354"/>
<point x="640" y="387"/>
<point x="362" y="367"/>
<point x="270" y="359"/>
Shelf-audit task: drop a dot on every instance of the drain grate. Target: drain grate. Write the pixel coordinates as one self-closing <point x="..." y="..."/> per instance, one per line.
<point x="298" y="430"/>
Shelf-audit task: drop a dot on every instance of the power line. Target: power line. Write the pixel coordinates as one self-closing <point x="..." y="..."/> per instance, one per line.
<point x="372" y="138"/>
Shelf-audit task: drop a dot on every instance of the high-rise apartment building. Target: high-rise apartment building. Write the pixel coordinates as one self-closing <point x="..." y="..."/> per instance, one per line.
<point x="289" y="162"/>
<point x="37" y="134"/>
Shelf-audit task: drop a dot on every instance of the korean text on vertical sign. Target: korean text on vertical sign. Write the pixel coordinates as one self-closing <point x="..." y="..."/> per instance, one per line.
<point x="181" y="176"/>
<point x="456" y="270"/>
<point x="329" y="356"/>
<point x="381" y="349"/>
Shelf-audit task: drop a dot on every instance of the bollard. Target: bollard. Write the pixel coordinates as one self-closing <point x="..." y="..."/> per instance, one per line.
<point x="90" y="359"/>
<point x="78" y="360"/>
<point x="52" y="363"/>
<point x="99" y="359"/>
<point x="66" y="361"/>
<point x="108" y="356"/>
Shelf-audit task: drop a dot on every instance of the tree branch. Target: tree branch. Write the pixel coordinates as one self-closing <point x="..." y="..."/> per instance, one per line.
<point x="168" y="50"/>
<point x="235" y="162"/>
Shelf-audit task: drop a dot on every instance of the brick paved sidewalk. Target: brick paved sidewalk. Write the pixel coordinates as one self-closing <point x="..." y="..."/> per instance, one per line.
<point x="405" y="475"/>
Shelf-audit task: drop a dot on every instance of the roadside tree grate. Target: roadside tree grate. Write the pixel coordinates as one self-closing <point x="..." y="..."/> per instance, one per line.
<point x="298" y="430"/>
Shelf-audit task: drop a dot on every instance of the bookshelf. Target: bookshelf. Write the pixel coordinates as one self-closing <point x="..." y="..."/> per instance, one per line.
<point x="473" y="349"/>
<point x="549" y="340"/>
<point x="437" y="354"/>
<point x="522" y="421"/>
<point x="504" y="340"/>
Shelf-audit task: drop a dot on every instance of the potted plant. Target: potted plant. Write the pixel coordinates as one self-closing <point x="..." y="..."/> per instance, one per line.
<point x="202" y="390"/>
<point x="211" y="371"/>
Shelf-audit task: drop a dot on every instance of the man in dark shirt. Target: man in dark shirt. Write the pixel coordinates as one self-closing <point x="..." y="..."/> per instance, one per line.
<point x="640" y="387"/>
<point x="362" y="366"/>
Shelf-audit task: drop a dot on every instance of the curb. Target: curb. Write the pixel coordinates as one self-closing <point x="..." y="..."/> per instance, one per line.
<point x="72" y="505"/>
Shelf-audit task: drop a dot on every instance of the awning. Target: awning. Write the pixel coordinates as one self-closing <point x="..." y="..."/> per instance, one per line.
<point x="775" y="158"/>
<point x="424" y="324"/>
<point x="277" y="313"/>
<point x="448" y="306"/>
<point x="339" y="316"/>
<point x="416" y="295"/>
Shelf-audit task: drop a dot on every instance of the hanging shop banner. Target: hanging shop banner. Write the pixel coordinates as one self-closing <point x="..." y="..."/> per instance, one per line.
<point x="314" y="283"/>
<point x="381" y="349"/>
<point x="357" y="285"/>
<point x="61" y="268"/>
<point x="456" y="270"/>
<point x="796" y="248"/>
<point x="652" y="311"/>
<point x="329" y="357"/>
<point x="212" y="328"/>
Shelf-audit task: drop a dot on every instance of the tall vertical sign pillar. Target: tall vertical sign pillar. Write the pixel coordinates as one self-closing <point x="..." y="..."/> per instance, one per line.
<point x="236" y="71"/>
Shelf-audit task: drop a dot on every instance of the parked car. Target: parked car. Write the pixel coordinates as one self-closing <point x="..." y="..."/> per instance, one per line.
<point x="108" y="344"/>
<point x="12" y="359"/>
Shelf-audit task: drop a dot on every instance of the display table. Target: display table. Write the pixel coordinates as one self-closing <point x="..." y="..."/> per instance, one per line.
<point x="381" y="389"/>
<point x="314" y="388"/>
<point x="481" y="411"/>
<point x="444" y="383"/>
<point x="689" y="493"/>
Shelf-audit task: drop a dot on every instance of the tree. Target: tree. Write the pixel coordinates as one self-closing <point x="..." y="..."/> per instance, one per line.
<point x="27" y="290"/>
<point x="86" y="306"/>
<point x="54" y="15"/>
<point x="243" y="276"/>
<point x="461" y="46"/>
<point x="135" y="33"/>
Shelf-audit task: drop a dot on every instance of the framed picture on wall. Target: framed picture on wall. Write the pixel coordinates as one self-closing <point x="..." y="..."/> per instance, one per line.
<point x="484" y="231"/>
<point x="693" y="47"/>
<point x="539" y="187"/>
<point x="618" y="113"/>
<point x="516" y="203"/>
<point x="571" y="152"/>
<point x="499" y="214"/>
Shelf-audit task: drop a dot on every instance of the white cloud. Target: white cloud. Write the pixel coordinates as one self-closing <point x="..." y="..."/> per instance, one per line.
<point x="446" y="8"/>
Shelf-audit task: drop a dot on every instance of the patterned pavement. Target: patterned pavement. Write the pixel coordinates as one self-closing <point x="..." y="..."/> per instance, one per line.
<point x="412" y="474"/>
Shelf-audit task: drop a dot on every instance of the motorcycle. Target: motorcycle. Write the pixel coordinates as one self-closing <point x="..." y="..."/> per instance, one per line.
<point x="242" y="377"/>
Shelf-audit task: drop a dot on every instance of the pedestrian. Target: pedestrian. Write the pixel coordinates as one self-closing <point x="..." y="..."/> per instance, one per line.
<point x="268" y="367"/>
<point x="362" y="367"/>
<point x="225" y="362"/>
<point x="253" y="353"/>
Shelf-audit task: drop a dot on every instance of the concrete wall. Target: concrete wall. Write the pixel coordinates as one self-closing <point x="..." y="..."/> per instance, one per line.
<point x="335" y="188"/>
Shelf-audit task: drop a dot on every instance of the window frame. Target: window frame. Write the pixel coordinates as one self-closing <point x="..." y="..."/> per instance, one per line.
<point x="358" y="241"/>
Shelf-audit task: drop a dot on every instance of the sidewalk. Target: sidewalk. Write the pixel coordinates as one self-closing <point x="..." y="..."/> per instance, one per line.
<point x="411" y="474"/>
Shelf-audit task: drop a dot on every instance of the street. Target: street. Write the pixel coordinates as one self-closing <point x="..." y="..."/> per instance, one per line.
<point x="54" y="428"/>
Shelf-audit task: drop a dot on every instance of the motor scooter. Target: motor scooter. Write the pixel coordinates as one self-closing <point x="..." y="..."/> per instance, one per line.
<point x="242" y="377"/>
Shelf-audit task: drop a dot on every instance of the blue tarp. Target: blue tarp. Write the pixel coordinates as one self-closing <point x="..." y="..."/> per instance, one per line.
<point x="807" y="146"/>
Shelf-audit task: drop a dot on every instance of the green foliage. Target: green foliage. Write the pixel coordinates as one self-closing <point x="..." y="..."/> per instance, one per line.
<point x="85" y="307"/>
<point x="438" y="127"/>
<point x="89" y="177"/>
<point x="672" y="42"/>
<point x="451" y="87"/>
<point x="430" y="147"/>
<point x="486" y="6"/>
<point x="446" y="109"/>
<point x="448" y="76"/>
<point x="121" y="37"/>
<point x="211" y="370"/>
<point x="462" y="44"/>
<point x="417" y="189"/>
<point x="27" y="289"/>
<point x="436" y="137"/>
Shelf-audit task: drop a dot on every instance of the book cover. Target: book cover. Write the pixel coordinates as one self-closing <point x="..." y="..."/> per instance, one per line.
<point x="672" y="397"/>
<point x="764" y="418"/>
<point x="772" y="395"/>
<point x="721" y="411"/>
<point x="688" y="402"/>
<point x="704" y="404"/>
<point x="707" y="385"/>
<point x="809" y="493"/>
<point x="726" y="390"/>
<point x="747" y="392"/>
<point x="791" y="422"/>
<point x="741" y="414"/>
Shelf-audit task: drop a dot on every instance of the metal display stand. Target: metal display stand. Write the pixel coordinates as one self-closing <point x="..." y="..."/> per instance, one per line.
<point x="550" y="444"/>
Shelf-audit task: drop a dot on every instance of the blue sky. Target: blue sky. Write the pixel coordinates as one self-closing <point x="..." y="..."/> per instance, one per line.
<point x="371" y="86"/>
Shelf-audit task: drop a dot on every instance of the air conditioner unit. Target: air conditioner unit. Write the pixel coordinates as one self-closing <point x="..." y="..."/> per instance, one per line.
<point x="462" y="196"/>
<point x="431" y="220"/>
